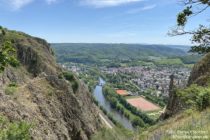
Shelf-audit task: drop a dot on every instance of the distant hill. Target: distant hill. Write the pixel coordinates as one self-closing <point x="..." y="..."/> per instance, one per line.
<point x="99" y="53"/>
<point x="181" y="47"/>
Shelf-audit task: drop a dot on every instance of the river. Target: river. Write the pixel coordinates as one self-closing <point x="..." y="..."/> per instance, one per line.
<point x="98" y="94"/>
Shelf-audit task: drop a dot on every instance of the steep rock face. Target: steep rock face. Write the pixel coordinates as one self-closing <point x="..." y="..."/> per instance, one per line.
<point x="36" y="55"/>
<point x="44" y="99"/>
<point x="201" y="72"/>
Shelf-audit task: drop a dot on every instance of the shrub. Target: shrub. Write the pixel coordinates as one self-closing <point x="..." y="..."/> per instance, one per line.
<point x="195" y="96"/>
<point x="127" y="115"/>
<point x="103" y="109"/>
<point x="3" y="32"/>
<point x="18" y="131"/>
<point x="68" y="76"/>
<point x="95" y="101"/>
<point x="138" y="122"/>
<point x="7" y="55"/>
<point x="14" y="130"/>
<point x="75" y="86"/>
<point x="10" y="90"/>
<point x="60" y="76"/>
<point x="13" y="84"/>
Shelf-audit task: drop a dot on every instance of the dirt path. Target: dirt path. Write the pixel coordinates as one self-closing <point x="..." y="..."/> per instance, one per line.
<point x="105" y="121"/>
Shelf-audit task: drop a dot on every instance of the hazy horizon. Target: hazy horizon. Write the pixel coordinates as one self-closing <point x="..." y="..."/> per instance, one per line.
<point x="116" y="43"/>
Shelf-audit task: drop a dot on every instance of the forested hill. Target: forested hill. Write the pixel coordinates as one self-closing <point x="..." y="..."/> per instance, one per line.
<point x="92" y="53"/>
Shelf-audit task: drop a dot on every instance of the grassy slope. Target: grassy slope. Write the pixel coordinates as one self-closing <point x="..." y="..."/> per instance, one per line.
<point x="193" y="122"/>
<point x="113" y="134"/>
<point x="188" y="121"/>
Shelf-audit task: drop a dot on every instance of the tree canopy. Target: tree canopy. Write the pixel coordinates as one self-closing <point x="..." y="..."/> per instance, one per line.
<point x="7" y="53"/>
<point x="200" y="36"/>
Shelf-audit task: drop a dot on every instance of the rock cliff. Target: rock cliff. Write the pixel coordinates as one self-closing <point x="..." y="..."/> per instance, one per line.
<point x="42" y="97"/>
<point x="201" y="72"/>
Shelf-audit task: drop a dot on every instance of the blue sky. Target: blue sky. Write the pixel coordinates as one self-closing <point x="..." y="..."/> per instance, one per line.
<point x="97" y="21"/>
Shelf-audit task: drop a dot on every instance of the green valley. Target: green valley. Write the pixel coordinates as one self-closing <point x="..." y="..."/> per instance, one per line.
<point x="105" y="70"/>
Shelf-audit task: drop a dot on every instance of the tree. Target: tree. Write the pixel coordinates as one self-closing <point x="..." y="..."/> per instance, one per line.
<point x="138" y="122"/>
<point x="200" y="36"/>
<point x="7" y="55"/>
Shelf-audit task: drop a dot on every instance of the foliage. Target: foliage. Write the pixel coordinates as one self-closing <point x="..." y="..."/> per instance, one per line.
<point x="13" y="84"/>
<point x="137" y="122"/>
<point x="121" y="105"/>
<point x="111" y="118"/>
<point x="122" y="81"/>
<point x="75" y="86"/>
<point x="158" y="100"/>
<point x="182" y="16"/>
<point x="90" y="77"/>
<point x="118" y="132"/>
<point x="7" y="56"/>
<point x="112" y="55"/>
<point x="60" y="76"/>
<point x="195" y="96"/>
<point x="3" y="31"/>
<point x="10" y="90"/>
<point x="14" y="130"/>
<point x="70" y="77"/>
<point x="190" y="59"/>
<point x="201" y="36"/>
<point x="113" y="134"/>
<point x="193" y="124"/>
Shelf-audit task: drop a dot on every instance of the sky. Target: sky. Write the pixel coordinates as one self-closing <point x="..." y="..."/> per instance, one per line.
<point x="97" y="21"/>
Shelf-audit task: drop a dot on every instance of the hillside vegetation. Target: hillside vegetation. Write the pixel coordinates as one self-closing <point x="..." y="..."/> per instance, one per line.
<point x="40" y="100"/>
<point x="190" y="124"/>
<point x="115" y="54"/>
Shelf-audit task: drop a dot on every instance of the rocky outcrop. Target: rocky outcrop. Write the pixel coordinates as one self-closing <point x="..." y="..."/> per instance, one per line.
<point x="200" y="75"/>
<point x="42" y="98"/>
<point x="36" y="55"/>
<point x="201" y="72"/>
<point x="174" y="104"/>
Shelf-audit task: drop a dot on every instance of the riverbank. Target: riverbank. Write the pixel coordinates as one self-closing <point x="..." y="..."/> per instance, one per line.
<point x="102" y="101"/>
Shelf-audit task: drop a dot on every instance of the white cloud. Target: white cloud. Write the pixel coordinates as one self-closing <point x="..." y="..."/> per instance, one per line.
<point x="107" y="3"/>
<point x="138" y="10"/>
<point x="149" y="7"/>
<point x="18" y="4"/>
<point x="51" y="1"/>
